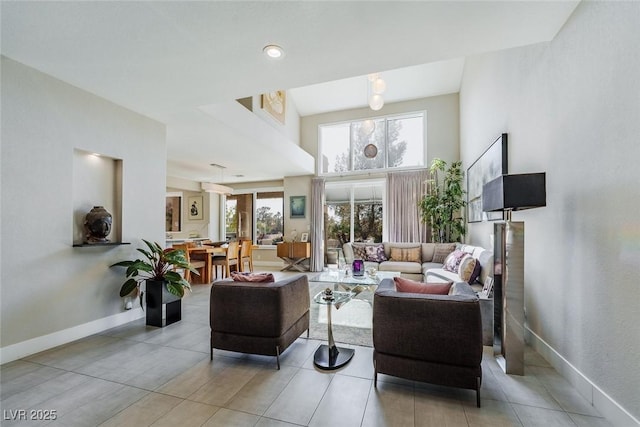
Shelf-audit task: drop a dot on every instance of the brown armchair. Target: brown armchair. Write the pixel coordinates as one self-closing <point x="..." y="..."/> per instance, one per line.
<point x="429" y="338"/>
<point x="258" y="318"/>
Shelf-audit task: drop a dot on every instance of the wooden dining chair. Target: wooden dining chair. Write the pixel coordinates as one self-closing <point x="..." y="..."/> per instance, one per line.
<point x="230" y="260"/>
<point x="199" y="265"/>
<point x="246" y="255"/>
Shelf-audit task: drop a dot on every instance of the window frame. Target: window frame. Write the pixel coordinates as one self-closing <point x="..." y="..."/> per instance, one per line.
<point x="352" y="184"/>
<point x="386" y="118"/>
<point x="254" y="194"/>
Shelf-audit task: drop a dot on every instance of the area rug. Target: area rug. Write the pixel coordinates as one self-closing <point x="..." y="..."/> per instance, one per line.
<point x="351" y="322"/>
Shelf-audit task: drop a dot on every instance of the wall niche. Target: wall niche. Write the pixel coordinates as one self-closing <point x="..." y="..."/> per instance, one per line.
<point x="97" y="181"/>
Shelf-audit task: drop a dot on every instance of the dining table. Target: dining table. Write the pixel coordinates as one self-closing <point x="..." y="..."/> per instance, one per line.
<point x="209" y="252"/>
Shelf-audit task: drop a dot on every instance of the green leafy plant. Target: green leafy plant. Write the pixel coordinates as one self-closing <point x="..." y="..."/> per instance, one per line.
<point x="159" y="265"/>
<point x="442" y="205"/>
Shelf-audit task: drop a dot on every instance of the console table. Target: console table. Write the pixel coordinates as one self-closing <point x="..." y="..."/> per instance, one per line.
<point x="294" y="254"/>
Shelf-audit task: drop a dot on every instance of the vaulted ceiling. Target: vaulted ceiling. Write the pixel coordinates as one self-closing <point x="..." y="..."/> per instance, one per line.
<point x="185" y="63"/>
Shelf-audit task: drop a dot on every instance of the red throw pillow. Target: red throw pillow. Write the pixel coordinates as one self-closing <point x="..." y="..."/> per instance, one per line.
<point x="251" y="277"/>
<point x="407" y="285"/>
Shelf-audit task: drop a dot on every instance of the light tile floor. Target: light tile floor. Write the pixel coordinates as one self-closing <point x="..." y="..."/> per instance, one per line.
<point x="136" y="375"/>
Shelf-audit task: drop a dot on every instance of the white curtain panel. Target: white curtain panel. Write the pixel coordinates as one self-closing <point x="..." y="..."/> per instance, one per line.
<point x="404" y="192"/>
<point x="317" y="224"/>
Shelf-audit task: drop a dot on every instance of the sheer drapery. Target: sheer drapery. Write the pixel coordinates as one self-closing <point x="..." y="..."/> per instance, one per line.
<point x="317" y="224"/>
<point x="404" y="193"/>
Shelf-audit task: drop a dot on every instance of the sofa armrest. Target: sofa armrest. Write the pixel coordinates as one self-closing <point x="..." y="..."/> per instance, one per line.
<point x="347" y="250"/>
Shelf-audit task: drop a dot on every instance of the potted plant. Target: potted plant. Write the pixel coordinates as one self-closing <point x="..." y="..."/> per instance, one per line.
<point x="164" y="285"/>
<point x="441" y="206"/>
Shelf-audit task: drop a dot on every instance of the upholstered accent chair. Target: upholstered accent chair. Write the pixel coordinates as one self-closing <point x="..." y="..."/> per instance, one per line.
<point x="259" y="318"/>
<point x="430" y="338"/>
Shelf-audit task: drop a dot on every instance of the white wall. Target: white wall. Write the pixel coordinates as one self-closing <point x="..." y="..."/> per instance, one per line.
<point x="196" y="228"/>
<point x="52" y="292"/>
<point x="297" y="186"/>
<point x="572" y="108"/>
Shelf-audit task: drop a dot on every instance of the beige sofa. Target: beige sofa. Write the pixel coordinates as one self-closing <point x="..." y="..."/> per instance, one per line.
<point x="483" y="255"/>
<point x="429" y="266"/>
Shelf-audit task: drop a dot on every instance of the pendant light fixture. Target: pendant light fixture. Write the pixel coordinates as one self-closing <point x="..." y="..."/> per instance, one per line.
<point x="211" y="187"/>
<point x="377" y="87"/>
<point x="370" y="151"/>
<point x="366" y="128"/>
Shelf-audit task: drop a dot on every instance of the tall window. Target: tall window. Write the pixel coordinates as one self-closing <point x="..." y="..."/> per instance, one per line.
<point x="372" y="144"/>
<point x="257" y="216"/>
<point x="353" y="212"/>
<point x="269" y="217"/>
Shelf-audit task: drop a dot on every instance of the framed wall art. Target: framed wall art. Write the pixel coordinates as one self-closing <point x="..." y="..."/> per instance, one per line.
<point x="173" y="212"/>
<point x="490" y="165"/>
<point x="487" y="288"/>
<point x="275" y="103"/>
<point x="195" y="208"/>
<point x="297" y="206"/>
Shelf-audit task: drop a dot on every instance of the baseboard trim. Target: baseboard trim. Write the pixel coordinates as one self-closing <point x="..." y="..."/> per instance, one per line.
<point x="608" y="408"/>
<point x="45" y="342"/>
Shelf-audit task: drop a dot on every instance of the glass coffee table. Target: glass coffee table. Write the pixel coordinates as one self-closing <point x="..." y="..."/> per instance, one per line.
<point x="345" y="287"/>
<point x="350" y="283"/>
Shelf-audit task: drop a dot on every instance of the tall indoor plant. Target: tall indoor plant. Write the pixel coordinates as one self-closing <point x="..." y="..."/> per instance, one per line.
<point x="442" y="204"/>
<point x="159" y="265"/>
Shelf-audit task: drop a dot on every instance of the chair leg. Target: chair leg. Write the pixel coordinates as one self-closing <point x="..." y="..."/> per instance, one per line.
<point x="375" y="375"/>
<point x="478" y="391"/>
<point x="278" y="356"/>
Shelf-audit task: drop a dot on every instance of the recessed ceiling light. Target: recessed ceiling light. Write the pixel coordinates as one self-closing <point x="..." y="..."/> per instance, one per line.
<point x="273" y="51"/>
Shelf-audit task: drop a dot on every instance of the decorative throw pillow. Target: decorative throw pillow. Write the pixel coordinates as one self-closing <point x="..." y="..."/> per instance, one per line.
<point x="411" y="286"/>
<point x="469" y="269"/>
<point x="359" y="250"/>
<point x="406" y="254"/>
<point x="441" y="251"/>
<point x="375" y="253"/>
<point x="251" y="277"/>
<point x="453" y="260"/>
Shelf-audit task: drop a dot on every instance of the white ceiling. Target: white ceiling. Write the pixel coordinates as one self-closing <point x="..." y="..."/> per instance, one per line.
<point x="184" y="63"/>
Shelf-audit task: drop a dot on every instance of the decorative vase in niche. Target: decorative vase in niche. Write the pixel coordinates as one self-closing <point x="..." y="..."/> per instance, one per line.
<point x="97" y="225"/>
<point x="358" y="267"/>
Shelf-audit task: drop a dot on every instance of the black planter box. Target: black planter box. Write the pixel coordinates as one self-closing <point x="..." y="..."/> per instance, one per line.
<point x="157" y="297"/>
